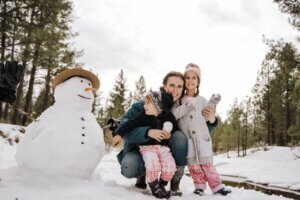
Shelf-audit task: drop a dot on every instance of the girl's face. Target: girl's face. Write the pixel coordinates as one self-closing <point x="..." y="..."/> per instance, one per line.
<point x="191" y="80"/>
<point x="149" y="107"/>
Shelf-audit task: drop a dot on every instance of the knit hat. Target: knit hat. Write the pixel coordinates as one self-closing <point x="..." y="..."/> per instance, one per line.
<point x="193" y="68"/>
<point x="162" y="100"/>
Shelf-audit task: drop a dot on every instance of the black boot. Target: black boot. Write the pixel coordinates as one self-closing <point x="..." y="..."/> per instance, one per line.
<point x="157" y="191"/>
<point x="199" y="192"/>
<point x="163" y="184"/>
<point x="223" y="191"/>
<point x="141" y="182"/>
<point x="175" y="191"/>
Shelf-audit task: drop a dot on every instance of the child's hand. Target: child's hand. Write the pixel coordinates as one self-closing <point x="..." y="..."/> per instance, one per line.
<point x="158" y="135"/>
<point x="116" y="140"/>
<point x="209" y="114"/>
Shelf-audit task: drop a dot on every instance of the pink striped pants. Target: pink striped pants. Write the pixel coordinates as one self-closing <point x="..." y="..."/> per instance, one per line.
<point x="158" y="159"/>
<point x="205" y="172"/>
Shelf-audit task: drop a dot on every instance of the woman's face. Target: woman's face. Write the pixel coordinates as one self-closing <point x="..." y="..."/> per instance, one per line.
<point x="174" y="86"/>
<point x="191" y="80"/>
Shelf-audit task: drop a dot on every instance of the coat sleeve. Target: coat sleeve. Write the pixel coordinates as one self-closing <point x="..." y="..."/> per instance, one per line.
<point x="180" y="111"/>
<point x="212" y="126"/>
<point x="131" y="124"/>
<point x="137" y="135"/>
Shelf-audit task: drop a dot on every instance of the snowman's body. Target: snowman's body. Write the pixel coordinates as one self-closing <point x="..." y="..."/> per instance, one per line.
<point x="66" y="139"/>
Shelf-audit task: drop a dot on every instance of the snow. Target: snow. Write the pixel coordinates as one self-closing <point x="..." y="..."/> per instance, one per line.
<point x="107" y="182"/>
<point x="278" y="166"/>
<point x="12" y="132"/>
<point x="66" y="139"/>
<point x="7" y="150"/>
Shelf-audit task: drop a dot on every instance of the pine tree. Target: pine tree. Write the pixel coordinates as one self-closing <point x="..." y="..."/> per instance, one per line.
<point x="129" y="101"/>
<point x="140" y="89"/>
<point x="275" y="105"/>
<point x="139" y="92"/>
<point x="263" y="97"/>
<point x="245" y="124"/>
<point x="116" y="105"/>
<point x="234" y="120"/>
<point x="38" y="106"/>
<point x="216" y="136"/>
<point x="287" y="62"/>
<point x="292" y="7"/>
<point x="227" y="138"/>
<point x="294" y="130"/>
<point x="52" y="20"/>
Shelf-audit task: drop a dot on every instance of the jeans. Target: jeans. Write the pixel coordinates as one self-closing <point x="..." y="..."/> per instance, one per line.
<point x="133" y="166"/>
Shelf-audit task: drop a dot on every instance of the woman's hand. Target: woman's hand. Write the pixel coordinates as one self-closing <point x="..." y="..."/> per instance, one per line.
<point x="158" y="135"/>
<point x="209" y="114"/>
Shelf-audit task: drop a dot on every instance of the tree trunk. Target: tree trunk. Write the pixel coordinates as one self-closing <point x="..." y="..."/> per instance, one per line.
<point x="12" y="56"/>
<point x="31" y="84"/>
<point x="47" y="88"/>
<point x="238" y="142"/>
<point x="273" y="133"/>
<point x="246" y="139"/>
<point x="3" y="45"/>
<point x="5" y="114"/>
<point x="6" y="109"/>
<point x="269" y="128"/>
<point x="288" y="116"/>
<point x="228" y="149"/>
<point x="25" y="59"/>
<point x="281" y="134"/>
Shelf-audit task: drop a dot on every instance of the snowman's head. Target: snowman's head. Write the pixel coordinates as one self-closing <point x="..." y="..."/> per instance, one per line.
<point x="75" y="93"/>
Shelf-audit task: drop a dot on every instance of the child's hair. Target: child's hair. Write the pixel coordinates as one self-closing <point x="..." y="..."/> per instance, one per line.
<point x="148" y="99"/>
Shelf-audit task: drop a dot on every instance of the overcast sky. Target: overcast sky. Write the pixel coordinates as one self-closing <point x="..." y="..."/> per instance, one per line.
<point x="153" y="37"/>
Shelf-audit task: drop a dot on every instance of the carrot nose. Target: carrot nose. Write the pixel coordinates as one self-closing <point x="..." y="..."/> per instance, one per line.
<point x="90" y="89"/>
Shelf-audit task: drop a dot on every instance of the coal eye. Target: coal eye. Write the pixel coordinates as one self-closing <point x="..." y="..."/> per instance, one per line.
<point x="89" y="84"/>
<point x="81" y="81"/>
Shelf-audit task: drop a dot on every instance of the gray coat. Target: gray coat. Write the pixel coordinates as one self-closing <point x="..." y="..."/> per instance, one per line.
<point x="194" y="126"/>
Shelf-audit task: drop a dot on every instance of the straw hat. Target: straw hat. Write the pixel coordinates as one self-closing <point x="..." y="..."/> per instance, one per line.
<point x="76" y="71"/>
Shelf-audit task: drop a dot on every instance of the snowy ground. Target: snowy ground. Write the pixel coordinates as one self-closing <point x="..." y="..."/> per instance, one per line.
<point x="277" y="166"/>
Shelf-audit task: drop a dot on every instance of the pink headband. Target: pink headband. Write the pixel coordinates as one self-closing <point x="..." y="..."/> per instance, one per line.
<point x="193" y="68"/>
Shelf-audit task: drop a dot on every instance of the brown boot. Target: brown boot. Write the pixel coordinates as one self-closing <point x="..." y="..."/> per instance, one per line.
<point x="175" y="191"/>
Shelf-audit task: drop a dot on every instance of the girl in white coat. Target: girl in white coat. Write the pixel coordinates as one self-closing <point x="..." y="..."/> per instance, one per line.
<point x="193" y="123"/>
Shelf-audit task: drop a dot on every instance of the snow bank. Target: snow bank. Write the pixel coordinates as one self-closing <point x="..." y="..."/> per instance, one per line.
<point x="278" y="166"/>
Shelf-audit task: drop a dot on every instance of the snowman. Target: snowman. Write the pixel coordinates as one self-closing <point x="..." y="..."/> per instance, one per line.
<point x="66" y="139"/>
